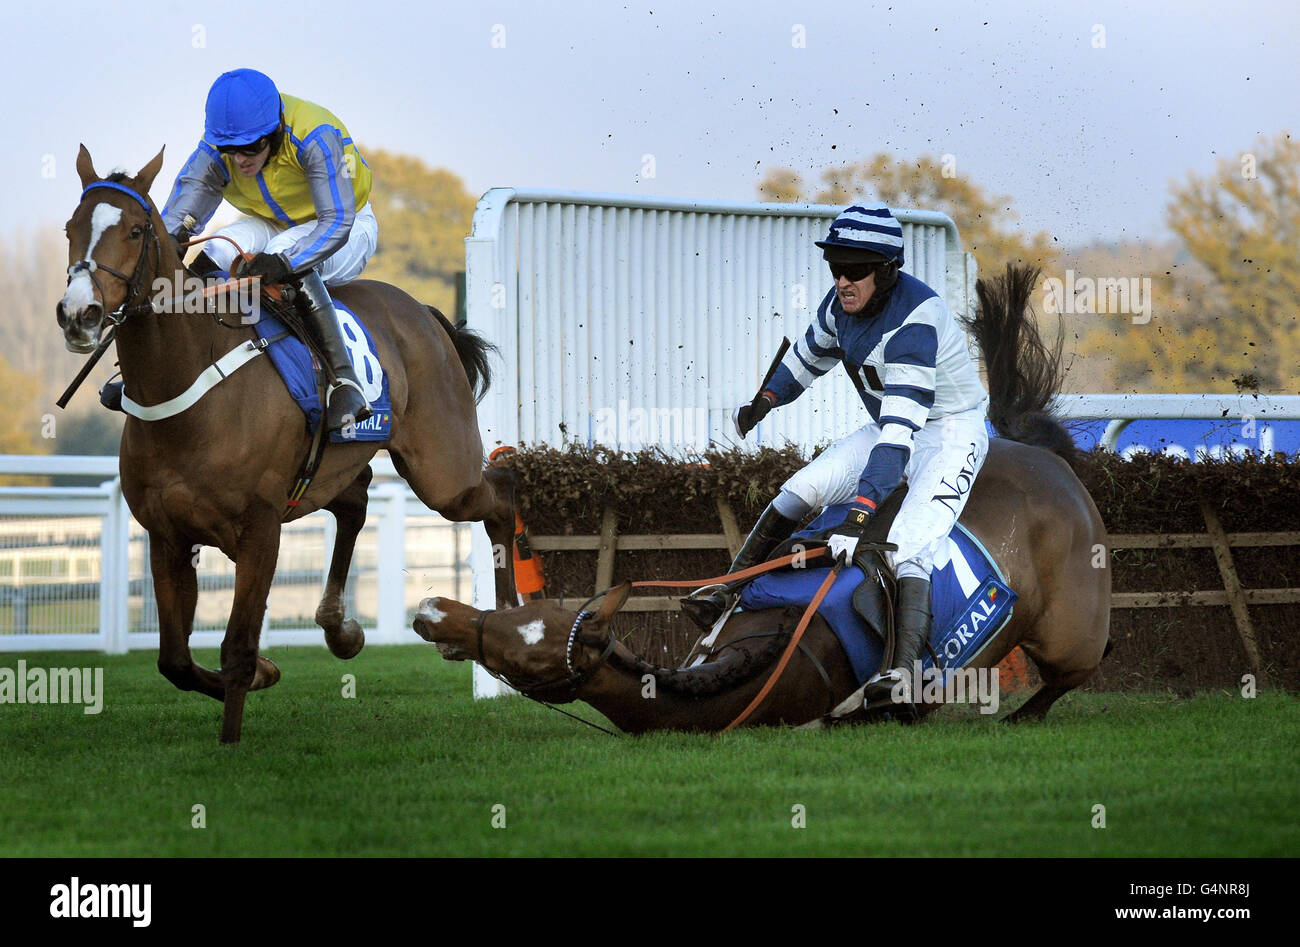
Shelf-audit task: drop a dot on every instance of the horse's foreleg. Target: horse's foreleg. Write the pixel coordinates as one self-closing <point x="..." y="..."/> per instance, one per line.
<point x="241" y="668"/>
<point x="176" y="589"/>
<point x="492" y="501"/>
<point x="344" y="635"/>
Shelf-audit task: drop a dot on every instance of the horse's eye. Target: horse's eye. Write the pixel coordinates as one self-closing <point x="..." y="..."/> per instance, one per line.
<point x="135" y="232"/>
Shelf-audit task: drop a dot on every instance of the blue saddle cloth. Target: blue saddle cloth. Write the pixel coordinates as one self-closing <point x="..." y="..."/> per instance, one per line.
<point x="970" y="600"/>
<point x="293" y="361"/>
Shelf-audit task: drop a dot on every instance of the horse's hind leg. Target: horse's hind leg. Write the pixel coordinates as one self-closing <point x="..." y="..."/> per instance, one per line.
<point x="1036" y="707"/>
<point x="343" y="635"/>
<point x="1067" y="644"/>
<point x="242" y="670"/>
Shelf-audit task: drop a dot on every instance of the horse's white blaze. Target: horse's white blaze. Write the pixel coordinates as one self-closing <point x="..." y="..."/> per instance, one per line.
<point x="81" y="291"/>
<point x="431" y="614"/>
<point x="79" y="294"/>
<point x="532" y="632"/>
<point x="103" y="217"/>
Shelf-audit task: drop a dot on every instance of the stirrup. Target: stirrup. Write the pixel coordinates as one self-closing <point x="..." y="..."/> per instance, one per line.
<point x="362" y="413"/>
<point x="857" y="701"/>
<point x="706" y="591"/>
<point x="345" y="383"/>
<point x="706" y="605"/>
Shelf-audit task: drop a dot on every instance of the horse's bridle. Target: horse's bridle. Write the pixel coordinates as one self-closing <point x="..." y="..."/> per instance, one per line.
<point x="134" y="282"/>
<point x="566" y="686"/>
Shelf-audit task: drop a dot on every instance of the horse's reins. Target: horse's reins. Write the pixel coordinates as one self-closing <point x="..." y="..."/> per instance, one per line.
<point x="176" y="303"/>
<point x="579" y="676"/>
<point x="804" y="621"/>
<point x="576" y="676"/>
<point x="134" y="284"/>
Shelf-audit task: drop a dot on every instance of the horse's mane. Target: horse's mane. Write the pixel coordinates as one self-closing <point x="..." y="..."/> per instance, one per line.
<point x="1024" y="374"/>
<point x="737" y="666"/>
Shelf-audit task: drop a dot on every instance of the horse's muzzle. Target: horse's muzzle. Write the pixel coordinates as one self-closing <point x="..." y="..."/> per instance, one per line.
<point x="81" y="328"/>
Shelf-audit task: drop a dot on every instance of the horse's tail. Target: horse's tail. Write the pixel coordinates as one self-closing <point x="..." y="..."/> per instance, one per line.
<point x="1023" y="373"/>
<point x="473" y="351"/>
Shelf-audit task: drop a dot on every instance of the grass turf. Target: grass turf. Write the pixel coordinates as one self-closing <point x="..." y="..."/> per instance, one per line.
<point x="413" y="766"/>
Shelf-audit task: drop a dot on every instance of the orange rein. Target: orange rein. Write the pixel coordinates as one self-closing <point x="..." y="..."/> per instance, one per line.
<point x="236" y="283"/>
<point x="804" y="622"/>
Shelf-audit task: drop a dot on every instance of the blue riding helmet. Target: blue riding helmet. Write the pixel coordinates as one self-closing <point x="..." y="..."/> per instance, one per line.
<point x="243" y="105"/>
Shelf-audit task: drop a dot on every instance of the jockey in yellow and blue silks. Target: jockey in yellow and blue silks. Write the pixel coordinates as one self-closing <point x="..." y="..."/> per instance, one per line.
<point x="293" y="169"/>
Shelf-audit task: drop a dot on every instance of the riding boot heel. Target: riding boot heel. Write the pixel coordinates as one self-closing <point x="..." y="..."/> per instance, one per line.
<point x="345" y="401"/>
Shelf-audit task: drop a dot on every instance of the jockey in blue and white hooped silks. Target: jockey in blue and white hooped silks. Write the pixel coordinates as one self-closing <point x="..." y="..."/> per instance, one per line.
<point x="928" y="409"/>
<point x="293" y="169"/>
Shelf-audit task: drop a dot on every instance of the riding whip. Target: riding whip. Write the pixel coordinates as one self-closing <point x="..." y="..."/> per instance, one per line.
<point x="771" y="370"/>
<point x="86" y="369"/>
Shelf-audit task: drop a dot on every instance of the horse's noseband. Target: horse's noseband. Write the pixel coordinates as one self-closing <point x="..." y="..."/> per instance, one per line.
<point x="565" y="687"/>
<point x="134" y="282"/>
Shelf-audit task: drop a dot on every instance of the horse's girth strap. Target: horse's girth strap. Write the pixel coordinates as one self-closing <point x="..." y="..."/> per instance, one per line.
<point x="212" y="376"/>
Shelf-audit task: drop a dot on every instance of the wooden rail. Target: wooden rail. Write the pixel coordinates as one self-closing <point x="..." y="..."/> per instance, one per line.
<point x="1231" y="595"/>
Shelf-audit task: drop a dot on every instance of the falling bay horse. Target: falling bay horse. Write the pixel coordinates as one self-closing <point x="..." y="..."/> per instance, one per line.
<point x="1027" y="507"/>
<point x="220" y="472"/>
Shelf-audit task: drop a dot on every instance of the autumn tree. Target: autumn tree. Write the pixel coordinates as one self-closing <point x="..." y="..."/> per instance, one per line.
<point x="1228" y="316"/>
<point x="424" y="216"/>
<point x="986" y="222"/>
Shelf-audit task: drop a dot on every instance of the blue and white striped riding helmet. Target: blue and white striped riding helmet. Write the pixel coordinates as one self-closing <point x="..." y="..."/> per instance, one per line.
<point x="864" y="232"/>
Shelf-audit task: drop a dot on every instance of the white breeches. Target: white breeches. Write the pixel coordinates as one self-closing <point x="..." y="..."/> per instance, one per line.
<point x="256" y="235"/>
<point x="946" y="455"/>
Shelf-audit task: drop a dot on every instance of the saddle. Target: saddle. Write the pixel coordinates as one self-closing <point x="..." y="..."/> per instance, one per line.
<point x="873" y="598"/>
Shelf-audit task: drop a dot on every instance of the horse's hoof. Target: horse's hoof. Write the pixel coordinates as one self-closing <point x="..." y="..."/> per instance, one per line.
<point x="267" y="674"/>
<point x="348" y="641"/>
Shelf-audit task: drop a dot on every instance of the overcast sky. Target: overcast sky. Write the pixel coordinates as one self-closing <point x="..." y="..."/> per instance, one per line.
<point x="1085" y="137"/>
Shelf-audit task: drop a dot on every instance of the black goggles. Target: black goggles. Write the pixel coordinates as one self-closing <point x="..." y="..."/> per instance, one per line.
<point x="248" y="151"/>
<point x="854" y="272"/>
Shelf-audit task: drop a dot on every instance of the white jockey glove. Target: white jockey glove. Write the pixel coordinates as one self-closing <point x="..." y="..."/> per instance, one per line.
<point x="843" y="541"/>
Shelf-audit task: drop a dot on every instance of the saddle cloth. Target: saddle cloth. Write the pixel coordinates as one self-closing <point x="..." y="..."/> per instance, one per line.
<point x="970" y="600"/>
<point x="293" y="361"/>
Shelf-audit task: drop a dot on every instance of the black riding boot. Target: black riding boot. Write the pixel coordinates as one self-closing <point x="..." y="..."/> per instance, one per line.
<point x="344" y="401"/>
<point x="770" y="531"/>
<point x="110" y="396"/>
<point x="912" y="624"/>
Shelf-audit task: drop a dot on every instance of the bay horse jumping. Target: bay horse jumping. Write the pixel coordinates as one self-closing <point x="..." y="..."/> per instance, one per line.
<point x="1027" y="507"/>
<point x="220" y="472"/>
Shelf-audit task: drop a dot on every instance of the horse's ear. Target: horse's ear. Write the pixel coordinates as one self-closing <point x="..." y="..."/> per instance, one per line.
<point x="144" y="179"/>
<point x="612" y="601"/>
<point x="85" y="168"/>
